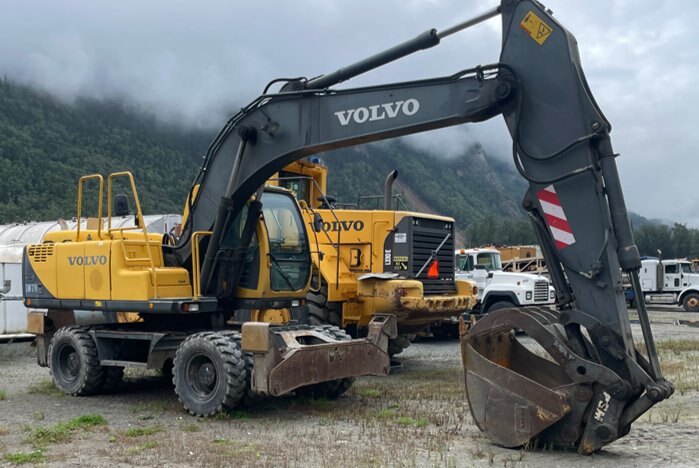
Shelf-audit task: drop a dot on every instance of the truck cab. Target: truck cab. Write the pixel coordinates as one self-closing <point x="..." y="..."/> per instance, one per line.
<point x="498" y="289"/>
<point x="671" y="282"/>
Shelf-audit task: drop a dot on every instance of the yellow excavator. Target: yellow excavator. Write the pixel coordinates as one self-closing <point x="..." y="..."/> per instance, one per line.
<point x="215" y="347"/>
<point x="585" y="393"/>
<point x="369" y="261"/>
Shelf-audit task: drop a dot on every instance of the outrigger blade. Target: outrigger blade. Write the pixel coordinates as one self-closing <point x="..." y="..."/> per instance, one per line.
<point x="562" y="399"/>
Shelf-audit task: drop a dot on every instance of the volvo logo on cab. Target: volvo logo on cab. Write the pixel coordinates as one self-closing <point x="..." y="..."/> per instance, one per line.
<point x="388" y="110"/>
<point x="88" y="260"/>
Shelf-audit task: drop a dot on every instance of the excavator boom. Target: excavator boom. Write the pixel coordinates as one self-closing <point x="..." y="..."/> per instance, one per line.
<point x="594" y="382"/>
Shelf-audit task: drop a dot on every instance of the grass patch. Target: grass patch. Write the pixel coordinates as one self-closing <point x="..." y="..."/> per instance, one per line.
<point x="85" y="421"/>
<point x="142" y="431"/>
<point x="677" y="346"/>
<point x="62" y="432"/>
<point x="229" y="415"/>
<point x="45" y="387"/>
<point x="369" y="393"/>
<point x="386" y="413"/>
<point x="20" y="458"/>
<point x="320" y="404"/>
<point x="408" y="421"/>
<point x="141" y="447"/>
<point x="3" y="395"/>
<point x="191" y="427"/>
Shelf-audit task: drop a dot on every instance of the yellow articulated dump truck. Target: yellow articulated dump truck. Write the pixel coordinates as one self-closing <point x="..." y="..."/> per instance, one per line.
<point x="370" y="262"/>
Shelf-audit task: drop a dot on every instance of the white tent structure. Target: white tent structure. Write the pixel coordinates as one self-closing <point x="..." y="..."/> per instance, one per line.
<point x="13" y="238"/>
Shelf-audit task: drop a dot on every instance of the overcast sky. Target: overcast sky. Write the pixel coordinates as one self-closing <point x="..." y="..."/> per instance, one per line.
<point x="198" y="61"/>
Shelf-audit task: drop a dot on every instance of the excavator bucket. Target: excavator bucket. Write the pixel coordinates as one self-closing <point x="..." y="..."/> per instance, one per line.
<point x="513" y="393"/>
<point x="532" y="387"/>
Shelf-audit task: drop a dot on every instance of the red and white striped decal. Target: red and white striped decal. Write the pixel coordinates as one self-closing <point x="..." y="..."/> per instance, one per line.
<point x="555" y="217"/>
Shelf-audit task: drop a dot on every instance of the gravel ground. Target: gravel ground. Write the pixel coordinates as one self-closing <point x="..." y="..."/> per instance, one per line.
<point x="417" y="417"/>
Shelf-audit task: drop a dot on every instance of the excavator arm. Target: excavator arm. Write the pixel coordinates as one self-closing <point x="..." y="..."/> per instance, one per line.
<point x="593" y="382"/>
<point x="277" y="129"/>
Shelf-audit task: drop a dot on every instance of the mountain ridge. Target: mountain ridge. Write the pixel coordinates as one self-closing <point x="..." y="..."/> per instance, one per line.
<point x="46" y="145"/>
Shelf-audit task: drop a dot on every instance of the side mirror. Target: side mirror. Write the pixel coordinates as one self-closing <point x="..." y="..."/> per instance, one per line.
<point x="317" y="222"/>
<point x="121" y="204"/>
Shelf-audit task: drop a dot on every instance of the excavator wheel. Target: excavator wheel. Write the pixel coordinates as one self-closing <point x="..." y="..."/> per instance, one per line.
<point x="249" y="397"/>
<point x="209" y="373"/>
<point x="333" y="388"/>
<point x="74" y="364"/>
<point x="398" y="344"/>
<point x="323" y="312"/>
<point x="113" y="378"/>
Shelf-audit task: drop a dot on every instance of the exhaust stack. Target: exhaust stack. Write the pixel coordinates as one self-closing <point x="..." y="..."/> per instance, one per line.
<point x="388" y="189"/>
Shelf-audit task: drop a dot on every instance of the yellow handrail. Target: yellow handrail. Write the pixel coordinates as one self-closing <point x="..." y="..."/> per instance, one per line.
<point x="196" y="274"/>
<point x="139" y="217"/>
<point x="99" y="203"/>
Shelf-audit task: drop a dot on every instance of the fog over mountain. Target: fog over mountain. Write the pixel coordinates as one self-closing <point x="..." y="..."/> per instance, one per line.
<point x="198" y="62"/>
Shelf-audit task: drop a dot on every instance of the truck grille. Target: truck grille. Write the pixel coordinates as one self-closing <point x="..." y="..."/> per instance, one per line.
<point x="427" y="236"/>
<point x="541" y="291"/>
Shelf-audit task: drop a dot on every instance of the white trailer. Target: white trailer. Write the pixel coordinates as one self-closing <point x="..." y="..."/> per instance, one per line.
<point x="498" y="289"/>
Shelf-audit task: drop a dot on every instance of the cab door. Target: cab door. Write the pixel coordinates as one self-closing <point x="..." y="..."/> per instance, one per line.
<point x="673" y="279"/>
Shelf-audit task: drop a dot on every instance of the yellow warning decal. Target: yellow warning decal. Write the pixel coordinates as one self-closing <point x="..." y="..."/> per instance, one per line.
<point x="536" y="28"/>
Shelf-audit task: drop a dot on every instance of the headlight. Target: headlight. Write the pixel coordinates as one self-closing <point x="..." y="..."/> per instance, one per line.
<point x="529" y="295"/>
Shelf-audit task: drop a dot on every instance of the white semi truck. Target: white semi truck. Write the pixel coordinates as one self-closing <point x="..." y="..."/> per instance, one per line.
<point x="671" y="282"/>
<point x="498" y="289"/>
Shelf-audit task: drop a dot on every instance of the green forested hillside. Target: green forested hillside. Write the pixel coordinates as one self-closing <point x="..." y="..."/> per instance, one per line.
<point x="45" y="145"/>
<point x="468" y="187"/>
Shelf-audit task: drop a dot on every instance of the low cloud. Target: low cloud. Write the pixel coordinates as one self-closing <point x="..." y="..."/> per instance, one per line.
<point x="198" y="62"/>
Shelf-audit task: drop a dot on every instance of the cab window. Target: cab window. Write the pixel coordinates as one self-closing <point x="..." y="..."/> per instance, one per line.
<point x="289" y="252"/>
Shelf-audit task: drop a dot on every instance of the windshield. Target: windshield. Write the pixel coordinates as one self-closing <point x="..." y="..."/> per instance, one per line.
<point x="490" y="260"/>
<point x="464" y="262"/>
<point x="686" y="268"/>
<point x="288" y="245"/>
<point x="300" y="186"/>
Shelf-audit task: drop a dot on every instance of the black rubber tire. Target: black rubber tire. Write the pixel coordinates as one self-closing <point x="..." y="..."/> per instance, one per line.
<point x="398" y="344"/>
<point x="113" y="378"/>
<point x="691" y="302"/>
<point x="320" y="310"/>
<point x="500" y="305"/>
<point x="333" y="388"/>
<point x="74" y="362"/>
<point x="249" y="397"/>
<point x="209" y="373"/>
<point x="166" y="370"/>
